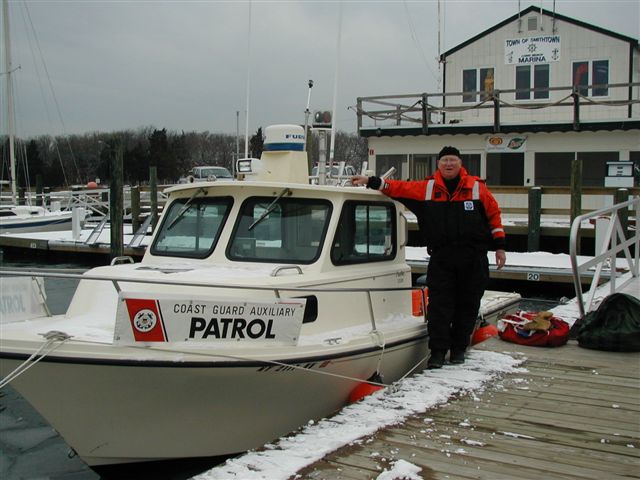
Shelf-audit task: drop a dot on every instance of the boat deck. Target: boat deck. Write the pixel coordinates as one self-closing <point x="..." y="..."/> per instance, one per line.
<point x="574" y="414"/>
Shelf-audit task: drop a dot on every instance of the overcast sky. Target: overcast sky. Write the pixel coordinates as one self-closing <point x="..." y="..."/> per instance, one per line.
<point x="182" y="65"/>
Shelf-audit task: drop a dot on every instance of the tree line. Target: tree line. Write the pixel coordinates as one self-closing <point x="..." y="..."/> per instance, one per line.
<point x="78" y="159"/>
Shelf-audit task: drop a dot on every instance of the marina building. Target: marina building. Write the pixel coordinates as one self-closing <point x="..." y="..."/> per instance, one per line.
<point x="521" y="101"/>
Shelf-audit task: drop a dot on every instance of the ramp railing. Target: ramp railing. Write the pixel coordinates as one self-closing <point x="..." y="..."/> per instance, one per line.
<point x="616" y="242"/>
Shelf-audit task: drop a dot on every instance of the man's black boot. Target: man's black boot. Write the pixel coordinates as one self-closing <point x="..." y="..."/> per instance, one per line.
<point x="436" y="360"/>
<point x="456" y="357"/>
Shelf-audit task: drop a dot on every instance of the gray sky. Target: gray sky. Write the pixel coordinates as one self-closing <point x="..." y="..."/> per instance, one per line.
<point x="182" y="65"/>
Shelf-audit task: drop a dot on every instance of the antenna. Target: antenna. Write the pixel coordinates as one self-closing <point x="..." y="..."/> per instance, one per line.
<point x="306" y="116"/>
<point x="335" y="91"/>
<point x="246" y="119"/>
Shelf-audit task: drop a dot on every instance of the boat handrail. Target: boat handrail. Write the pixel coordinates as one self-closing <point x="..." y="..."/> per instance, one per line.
<point x="614" y="242"/>
<point x="116" y="280"/>
<point x="279" y="268"/>
<point x="276" y="289"/>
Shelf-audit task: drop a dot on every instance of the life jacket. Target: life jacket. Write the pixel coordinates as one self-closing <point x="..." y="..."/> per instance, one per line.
<point x="470" y="216"/>
<point x="511" y="329"/>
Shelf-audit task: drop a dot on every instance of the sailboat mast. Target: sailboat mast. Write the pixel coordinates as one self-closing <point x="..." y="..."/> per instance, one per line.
<point x="9" y="90"/>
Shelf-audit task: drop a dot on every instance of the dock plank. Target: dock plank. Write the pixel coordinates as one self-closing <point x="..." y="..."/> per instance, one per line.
<point x="572" y="413"/>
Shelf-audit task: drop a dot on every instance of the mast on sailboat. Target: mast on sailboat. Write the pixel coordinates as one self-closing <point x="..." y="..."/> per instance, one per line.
<point x="9" y="92"/>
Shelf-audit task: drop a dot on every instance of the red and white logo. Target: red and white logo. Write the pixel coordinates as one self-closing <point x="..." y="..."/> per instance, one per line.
<point x="146" y="321"/>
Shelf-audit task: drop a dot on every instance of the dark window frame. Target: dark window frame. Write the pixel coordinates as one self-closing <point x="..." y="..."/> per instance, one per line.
<point x="588" y="72"/>
<point x="168" y="217"/>
<point x="348" y="209"/>
<point x="260" y="199"/>
<point x="534" y="76"/>
<point x="479" y="85"/>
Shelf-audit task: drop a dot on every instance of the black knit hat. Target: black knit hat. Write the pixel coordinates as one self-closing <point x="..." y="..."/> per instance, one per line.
<point x="449" y="151"/>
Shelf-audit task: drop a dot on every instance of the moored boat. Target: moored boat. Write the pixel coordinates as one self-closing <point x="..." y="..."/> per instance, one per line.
<point x="25" y="219"/>
<point x="260" y="305"/>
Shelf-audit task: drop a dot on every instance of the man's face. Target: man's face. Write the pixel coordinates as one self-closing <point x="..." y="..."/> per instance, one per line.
<point x="449" y="166"/>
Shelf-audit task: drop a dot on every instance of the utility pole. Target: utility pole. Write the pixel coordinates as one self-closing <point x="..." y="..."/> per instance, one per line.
<point x="233" y="167"/>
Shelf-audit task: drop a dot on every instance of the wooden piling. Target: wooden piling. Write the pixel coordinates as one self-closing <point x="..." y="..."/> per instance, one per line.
<point x="153" y="193"/>
<point x="535" y="206"/>
<point x="39" y="190"/>
<point x="135" y="208"/>
<point x="116" y="204"/>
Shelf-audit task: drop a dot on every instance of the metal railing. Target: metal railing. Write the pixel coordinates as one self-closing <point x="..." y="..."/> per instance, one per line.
<point x="117" y="282"/>
<point x="615" y="242"/>
<point x="429" y="109"/>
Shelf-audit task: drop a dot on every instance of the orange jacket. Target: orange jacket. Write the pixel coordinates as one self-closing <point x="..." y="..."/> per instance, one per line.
<point x="470" y="216"/>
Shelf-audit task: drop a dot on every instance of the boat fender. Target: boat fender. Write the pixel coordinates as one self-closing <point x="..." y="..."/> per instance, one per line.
<point x="365" y="389"/>
<point x="419" y="297"/>
<point x="484" y="332"/>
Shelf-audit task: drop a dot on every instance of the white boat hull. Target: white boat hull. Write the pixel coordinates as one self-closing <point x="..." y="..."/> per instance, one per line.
<point x="118" y="412"/>
<point x="49" y="222"/>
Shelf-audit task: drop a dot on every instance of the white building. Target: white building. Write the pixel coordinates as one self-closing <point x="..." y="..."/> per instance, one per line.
<point x="521" y="101"/>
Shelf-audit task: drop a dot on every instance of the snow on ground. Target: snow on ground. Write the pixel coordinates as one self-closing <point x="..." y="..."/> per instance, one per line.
<point x="283" y="458"/>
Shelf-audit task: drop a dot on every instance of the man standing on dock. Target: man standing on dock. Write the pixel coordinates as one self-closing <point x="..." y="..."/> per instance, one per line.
<point x="459" y="221"/>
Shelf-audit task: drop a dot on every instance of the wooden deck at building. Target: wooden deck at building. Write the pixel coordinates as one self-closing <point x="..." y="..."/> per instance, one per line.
<point x="574" y="414"/>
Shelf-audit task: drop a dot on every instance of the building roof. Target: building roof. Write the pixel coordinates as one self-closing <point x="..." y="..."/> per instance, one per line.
<point x="624" y="38"/>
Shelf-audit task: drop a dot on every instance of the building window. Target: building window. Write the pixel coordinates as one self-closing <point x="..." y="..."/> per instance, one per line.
<point x="469" y="85"/>
<point x="385" y="162"/>
<point x="524" y="80"/>
<point x="600" y="76"/>
<point x="594" y="72"/>
<point x="554" y="168"/>
<point x="477" y="79"/>
<point x="471" y="163"/>
<point x="505" y="168"/>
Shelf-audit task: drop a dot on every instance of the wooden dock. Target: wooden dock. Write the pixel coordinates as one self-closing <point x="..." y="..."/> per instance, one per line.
<point x="575" y="414"/>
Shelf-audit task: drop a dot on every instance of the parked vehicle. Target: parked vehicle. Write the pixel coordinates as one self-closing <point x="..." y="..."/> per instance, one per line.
<point x="206" y="174"/>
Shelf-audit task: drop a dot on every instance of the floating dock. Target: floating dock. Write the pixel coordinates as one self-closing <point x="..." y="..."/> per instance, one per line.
<point x="574" y="414"/>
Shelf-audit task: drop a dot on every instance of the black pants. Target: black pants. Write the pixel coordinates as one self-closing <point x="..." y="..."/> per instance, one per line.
<point x="457" y="277"/>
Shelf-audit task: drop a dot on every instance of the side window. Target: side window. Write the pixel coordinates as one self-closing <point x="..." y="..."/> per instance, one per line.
<point x="366" y="233"/>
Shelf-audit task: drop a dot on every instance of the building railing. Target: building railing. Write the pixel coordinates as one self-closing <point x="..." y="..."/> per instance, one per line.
<point x="423" y="109"/>
<point x="615" y="242"/>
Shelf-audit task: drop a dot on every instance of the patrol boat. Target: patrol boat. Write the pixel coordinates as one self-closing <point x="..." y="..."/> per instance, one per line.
<point x="259" y="305"/>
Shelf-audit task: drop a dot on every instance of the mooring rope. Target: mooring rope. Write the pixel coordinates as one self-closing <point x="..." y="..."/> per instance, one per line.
<point x="54" y="339"/>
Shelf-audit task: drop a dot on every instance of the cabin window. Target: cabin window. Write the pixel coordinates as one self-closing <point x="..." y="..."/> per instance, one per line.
<point x="191" y="227"/>
<point x="538" y="76"/>
<point x="366" y="233"/>
<point x="286" y="230"/>
<point x="594" y="72"/>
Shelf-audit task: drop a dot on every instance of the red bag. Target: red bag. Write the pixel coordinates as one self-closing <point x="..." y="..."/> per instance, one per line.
<point x="510" y="329"/>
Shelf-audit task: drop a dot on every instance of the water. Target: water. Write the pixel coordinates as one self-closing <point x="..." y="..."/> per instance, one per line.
<point x="30" y="448"/>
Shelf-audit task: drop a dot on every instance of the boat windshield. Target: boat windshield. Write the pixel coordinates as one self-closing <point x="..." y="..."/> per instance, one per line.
<point x="191" y="227"/>
<point x="292" y="232"/>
